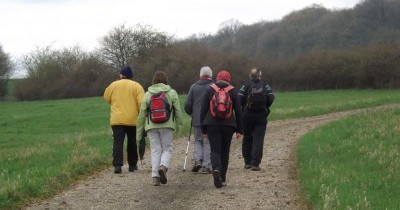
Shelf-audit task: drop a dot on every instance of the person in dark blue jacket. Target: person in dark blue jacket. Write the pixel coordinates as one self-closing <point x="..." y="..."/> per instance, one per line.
<point x="201" y="154"/>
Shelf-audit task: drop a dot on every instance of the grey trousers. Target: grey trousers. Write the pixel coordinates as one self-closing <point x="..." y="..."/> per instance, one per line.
<point x="202" y="149"/>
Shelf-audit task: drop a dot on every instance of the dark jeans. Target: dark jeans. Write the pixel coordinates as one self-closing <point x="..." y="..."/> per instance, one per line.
<point x="254" y="129"/>
<point x="119" y="132"/>
<point x="220" y="138"/>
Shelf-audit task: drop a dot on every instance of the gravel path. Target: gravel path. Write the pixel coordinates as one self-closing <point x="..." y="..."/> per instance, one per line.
<point x="274" y="187"/>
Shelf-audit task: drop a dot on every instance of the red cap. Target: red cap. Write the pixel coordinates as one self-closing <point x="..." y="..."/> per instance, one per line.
<point x="223" y="75"/>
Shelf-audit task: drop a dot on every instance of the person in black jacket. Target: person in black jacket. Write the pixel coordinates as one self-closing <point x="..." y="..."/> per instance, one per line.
<point x="220" y="131"/>
<point x="201" y="154"/>
<point x="256" y="97"/>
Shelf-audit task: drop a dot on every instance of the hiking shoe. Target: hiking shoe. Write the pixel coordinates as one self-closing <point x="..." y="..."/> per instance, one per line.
<point x="217" y="179"/>
<point x="163" y="174"/>
<point x="133" y="168"/>
<point x="205" y="170"/>
<point x="196" y="168"/>
<point x="117" y="169"/>
<point x="156" y="181"/>
<point x="247" y="166"/>
<point x="255" y="168"/>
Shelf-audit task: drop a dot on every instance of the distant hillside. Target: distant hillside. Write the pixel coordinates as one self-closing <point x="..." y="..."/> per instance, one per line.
<point x="370" y="22"/>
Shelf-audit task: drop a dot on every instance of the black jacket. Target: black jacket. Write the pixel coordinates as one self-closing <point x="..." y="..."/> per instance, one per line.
<point x="206" y="118"/>
<point x="243" y="99"/>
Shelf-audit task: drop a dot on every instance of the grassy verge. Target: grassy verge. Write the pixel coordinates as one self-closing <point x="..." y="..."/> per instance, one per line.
<point x="47" y="145"/>
<point x="311" y="103"/>
<point x="353" y="163"/>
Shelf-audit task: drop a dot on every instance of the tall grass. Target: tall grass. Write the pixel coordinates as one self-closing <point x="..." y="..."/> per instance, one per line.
<point x="47" y="145"/>
<point x="353" y="163"/>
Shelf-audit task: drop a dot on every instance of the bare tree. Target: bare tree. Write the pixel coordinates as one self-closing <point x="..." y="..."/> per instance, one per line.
<point x="5" y="71"/>
<point x="230" y="27"/>
<point x="123" y="43"/>
<point x="62" y="73"/>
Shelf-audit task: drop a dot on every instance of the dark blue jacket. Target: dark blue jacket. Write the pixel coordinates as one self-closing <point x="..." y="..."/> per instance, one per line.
<point x="195" y="98"/>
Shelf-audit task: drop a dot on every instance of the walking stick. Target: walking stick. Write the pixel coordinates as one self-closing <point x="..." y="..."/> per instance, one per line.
<point x="187" y="147"/>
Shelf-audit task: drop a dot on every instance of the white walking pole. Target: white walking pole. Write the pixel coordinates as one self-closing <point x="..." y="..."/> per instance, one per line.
<point x="187" y="147"/>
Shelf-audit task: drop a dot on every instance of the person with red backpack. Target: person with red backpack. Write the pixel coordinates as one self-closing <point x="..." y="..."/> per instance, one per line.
<point x="256" y="97"/>
<point x="220" y="117"/>
<point x="160" y="115"/>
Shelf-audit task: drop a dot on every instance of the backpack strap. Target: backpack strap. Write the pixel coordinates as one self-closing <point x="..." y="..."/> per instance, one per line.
<point x="214" y="87"/>
<point x="229" y="88"/>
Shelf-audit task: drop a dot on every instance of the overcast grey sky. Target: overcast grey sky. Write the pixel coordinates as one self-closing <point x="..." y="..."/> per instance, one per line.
<point x="28" y="24"/>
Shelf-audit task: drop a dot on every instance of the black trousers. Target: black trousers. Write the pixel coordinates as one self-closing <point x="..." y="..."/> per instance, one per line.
<point x="220" y="138"/>
<point x="119" y="132"/>
<point x="254" y="129"/>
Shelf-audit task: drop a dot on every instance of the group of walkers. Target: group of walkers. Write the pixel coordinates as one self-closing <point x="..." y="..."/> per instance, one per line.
<point x="217" y="111"/>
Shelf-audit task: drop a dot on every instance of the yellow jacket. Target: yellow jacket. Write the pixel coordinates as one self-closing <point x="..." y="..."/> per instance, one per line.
<point x="124" y="97"/>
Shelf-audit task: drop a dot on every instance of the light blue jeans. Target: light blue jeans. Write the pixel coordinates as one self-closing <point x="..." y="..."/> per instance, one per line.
<point x="161" y="148"/>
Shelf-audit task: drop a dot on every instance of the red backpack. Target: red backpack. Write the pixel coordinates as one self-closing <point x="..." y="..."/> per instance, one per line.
<point x="221" y="104"/>
<point x="159" y="108"/>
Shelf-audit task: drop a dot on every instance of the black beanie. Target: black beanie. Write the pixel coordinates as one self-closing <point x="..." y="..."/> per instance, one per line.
<point x="127" y="72"/>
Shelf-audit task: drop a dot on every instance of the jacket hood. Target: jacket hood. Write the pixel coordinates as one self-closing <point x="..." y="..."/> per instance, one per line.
<point x="159" y="87"/>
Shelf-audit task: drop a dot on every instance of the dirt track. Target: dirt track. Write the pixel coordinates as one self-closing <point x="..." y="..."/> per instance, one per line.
<point x="274" y="187"/>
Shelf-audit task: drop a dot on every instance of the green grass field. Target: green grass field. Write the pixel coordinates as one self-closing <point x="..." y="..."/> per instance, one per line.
<point x="311" y="103"/>
<point x="45" y="146"/>
<point x="353" y="163"/>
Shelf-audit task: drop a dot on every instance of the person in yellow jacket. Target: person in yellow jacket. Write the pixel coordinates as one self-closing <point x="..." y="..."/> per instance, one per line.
<point x="124" y="97"/>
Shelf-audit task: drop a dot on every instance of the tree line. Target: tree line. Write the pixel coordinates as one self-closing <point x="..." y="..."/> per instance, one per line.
<point x="314" y="48"/>
<point x="314" y="28"/>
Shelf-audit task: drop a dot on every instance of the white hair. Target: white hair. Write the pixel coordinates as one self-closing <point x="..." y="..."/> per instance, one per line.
<point x="205" y="71"/>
